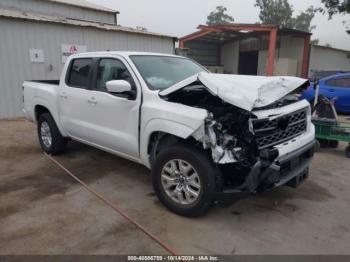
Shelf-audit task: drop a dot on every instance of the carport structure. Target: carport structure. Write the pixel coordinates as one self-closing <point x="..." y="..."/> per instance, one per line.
<point x="211" y="41"/>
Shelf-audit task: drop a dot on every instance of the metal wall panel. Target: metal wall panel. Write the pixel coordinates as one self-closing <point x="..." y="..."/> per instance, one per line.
<point x="324" y="58"/>
<point x="18" y="36"/>
<point x="205" y="53"/>
<point x="57" y="9"/>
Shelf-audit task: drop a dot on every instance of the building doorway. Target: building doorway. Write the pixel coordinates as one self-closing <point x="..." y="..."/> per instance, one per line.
<point x="248" y="63"/>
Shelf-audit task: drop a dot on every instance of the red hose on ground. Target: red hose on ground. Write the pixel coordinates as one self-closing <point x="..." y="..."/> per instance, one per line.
<point x="115" y="208"/>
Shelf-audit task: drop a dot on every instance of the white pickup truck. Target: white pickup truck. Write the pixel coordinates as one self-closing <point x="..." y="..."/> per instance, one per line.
<point x="205" y="137"/>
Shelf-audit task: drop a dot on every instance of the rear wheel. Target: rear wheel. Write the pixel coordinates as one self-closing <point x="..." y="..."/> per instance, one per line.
<point x="50" y="138"/>
<point x="184" y="179"/>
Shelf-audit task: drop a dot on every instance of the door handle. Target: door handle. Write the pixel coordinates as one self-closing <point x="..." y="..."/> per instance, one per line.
<point x="92" y="101"/>
<point x="331" y="90"/>
<point x="64" y="95"/>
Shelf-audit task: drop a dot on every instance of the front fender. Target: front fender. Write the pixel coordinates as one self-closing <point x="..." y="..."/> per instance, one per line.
<point x="166" y="126"/>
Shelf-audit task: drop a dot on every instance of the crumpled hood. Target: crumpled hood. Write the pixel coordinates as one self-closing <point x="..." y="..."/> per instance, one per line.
<point x="246" y="92"/>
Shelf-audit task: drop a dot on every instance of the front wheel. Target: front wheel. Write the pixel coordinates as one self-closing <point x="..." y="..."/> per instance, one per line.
<point x="317" y="145"/>
<point x="185" y="180"/>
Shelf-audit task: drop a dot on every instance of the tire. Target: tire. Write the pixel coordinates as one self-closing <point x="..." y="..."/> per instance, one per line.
<point x="207" y="174"/>
<point x="317" y="146"/>
<point x="50" y="138"/>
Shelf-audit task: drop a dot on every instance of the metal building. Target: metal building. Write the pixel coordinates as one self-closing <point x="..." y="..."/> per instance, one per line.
<point x="249" y="49"/>
<point x="36" y="37"/>
<point x="326" y="58"/>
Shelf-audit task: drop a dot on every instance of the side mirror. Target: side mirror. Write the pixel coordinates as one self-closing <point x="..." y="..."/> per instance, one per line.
<point x="118" y="86"/>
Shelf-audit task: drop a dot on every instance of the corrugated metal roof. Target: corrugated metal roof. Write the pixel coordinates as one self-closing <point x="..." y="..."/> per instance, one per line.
<point x="85" y="4"/>
<point x="332" y="48"/>
<point x="53" y="19"/>
<point x="226" y="32"/>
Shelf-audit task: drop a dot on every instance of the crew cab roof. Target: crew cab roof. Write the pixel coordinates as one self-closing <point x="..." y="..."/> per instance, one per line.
<point x="121" y="53"/>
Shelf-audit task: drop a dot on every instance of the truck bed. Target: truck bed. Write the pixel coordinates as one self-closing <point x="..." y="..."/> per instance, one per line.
<point x="40" y="92"/>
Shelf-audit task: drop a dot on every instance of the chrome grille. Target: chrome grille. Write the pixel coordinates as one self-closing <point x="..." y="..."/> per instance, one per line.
<point x="273" y="132"/>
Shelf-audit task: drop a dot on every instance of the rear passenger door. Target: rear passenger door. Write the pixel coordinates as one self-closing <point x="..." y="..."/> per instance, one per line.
<point x="74" y="93"/>
<point x="339" y="87"/>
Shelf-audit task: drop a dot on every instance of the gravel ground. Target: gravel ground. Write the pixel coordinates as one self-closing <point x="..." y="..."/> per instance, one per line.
<point x="44" y="211"/>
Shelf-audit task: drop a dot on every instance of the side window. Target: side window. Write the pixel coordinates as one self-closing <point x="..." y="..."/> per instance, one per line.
<point x="343" y="82"/>
<point x="339" y="82"/>
<point x="331" y="82"/>
<point x="79" y="73"/>
<point x="112" y="69"/>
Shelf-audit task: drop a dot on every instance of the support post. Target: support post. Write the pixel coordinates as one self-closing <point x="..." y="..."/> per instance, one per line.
<point x="306" y="57"/>
<point x="181" y="44"/>
<point x="272" y="51"/>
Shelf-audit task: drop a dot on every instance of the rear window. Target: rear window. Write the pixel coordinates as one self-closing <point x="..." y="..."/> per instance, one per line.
<point x="80" y="72"/>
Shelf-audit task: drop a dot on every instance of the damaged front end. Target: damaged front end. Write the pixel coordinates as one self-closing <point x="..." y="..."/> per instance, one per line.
<point x="244" y="147"/>
<point x="228" y="137"/>
<point x="256" y="150"/>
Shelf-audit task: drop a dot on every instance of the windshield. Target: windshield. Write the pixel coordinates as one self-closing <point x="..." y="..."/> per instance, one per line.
<point x="161" y="72"/>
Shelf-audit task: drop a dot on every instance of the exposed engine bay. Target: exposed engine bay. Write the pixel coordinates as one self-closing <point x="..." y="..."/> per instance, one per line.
<point x="226" y="130"/>
<point x="229" y="131"/>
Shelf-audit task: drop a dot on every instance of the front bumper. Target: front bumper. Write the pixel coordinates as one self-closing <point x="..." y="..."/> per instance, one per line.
<point x="290" y="170"/>
<point x="293" y="166"/>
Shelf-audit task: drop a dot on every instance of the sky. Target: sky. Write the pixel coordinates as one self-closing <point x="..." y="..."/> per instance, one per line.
<point x="181" y="17"/>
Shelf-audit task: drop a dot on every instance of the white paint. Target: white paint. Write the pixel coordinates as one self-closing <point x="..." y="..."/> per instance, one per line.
<point x="118" y="86"/>
<point x="118" y="130"/>
<point x="246" y="92"/>
<point x="71" y="49"/>
<point x="36" y="55"/>
<point x="113" y="123"/>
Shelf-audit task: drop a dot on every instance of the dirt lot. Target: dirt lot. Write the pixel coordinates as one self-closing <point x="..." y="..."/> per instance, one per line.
<point x="44" y="211"/>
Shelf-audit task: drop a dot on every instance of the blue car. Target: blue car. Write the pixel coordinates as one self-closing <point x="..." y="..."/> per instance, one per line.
<point x="335" y="86"/>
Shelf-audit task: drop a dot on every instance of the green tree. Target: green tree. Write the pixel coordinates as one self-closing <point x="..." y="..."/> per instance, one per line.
<point x="276" y="12"/>
<point x="219" y="16"/>
<point x="281" y="13"/>
<point x="333" y="7"/>
<point x="303" y="20"/>
<point x="315" y="41"/>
